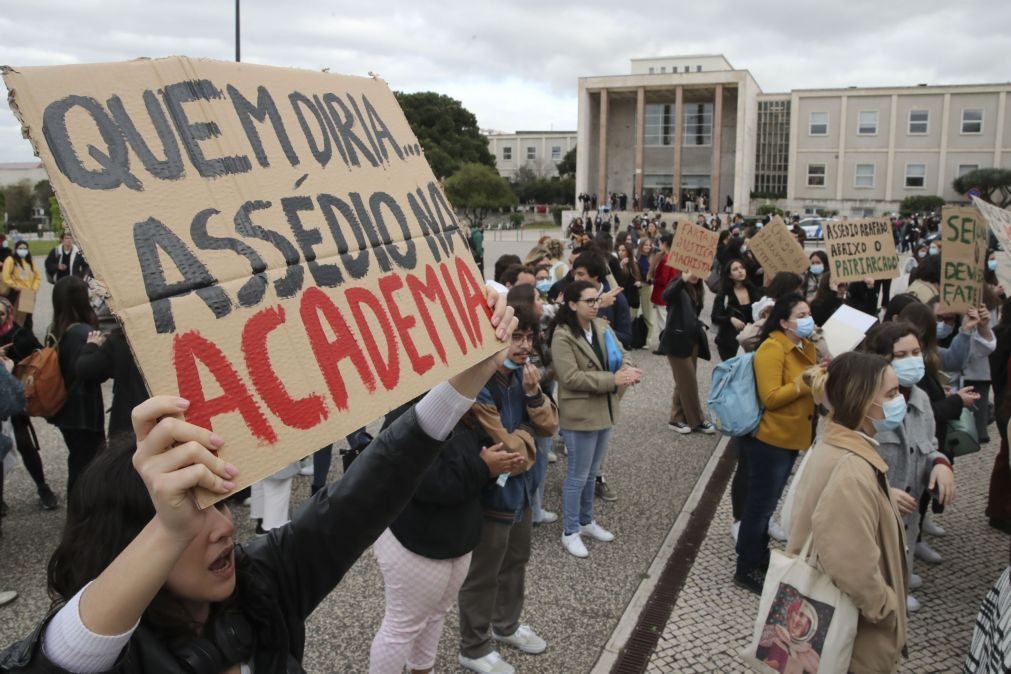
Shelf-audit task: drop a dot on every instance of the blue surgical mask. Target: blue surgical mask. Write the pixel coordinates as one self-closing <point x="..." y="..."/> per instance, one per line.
<point x="933" y="250"/>
<point x="23" y="252"/>
<point x="510" y="365"/>
<point x="543" y="286"/>
<point x="895" y="412"/>
<point x="944" y="330"/>
<point x="759" y="225"/>
<point x="817" y="269"/>
<point x="991" y="265"/>
<point x="922" y="254"/>
<point x="910" y="370"/>
<point x="805" y="327"/>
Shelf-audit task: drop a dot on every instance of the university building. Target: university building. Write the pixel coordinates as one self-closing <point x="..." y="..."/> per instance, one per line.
<point x="539" y="151"/>
<point x="687" y="126"/>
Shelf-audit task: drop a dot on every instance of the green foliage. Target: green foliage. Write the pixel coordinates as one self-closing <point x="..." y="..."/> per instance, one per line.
<point x="447" y="131"/>
<point x="921" y="203"/>
<point x="769" y="209"/>
<point x="516" y="219"/>
<point x="18" y="204"/>
<point x="477" y="190"/>
<point x="530" y="189"/>
<point x="567" y="167"/>
<point x="826" y="213"/>
<point x="55" y="217"/>
<point x="993" y="184"/>
<point x="556" y="214"/>
<point x="42" y="193"/>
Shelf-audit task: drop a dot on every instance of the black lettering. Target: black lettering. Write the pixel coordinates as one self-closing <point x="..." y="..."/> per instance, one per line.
<point x="264" y="108"/>
<point x="252" y="290"/>
<point x="325" y="275"/>
<point x="381" y="131"/>
<point x="445" y="213"/>
<point x="357" y="266"/>
<point x="328" y="119"/>
<point x="430" y="230"/>
<point x="409" y="258"/>
<point x="148" y="237"/>
<point x="291" y="282"/>
<point x="344" y="126"/>
<point x="378" y="246"/>
<point x="170" y="168"/>
<point x="321" y="151"/>
<point x="191" y="133"/>
<point x="115" y="161"/>
<point x="365" y="129"/>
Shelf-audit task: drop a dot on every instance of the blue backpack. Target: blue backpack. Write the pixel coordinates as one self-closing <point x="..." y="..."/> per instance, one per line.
<point x="733" y="401"/>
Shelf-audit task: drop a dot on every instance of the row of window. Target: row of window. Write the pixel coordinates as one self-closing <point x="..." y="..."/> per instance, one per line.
<point x="556" y="152"/>
<point x="673" y="69"/>
<point x="660" y="121"/>
<point x="918" y="125"/>
<point x="864" y="175"/>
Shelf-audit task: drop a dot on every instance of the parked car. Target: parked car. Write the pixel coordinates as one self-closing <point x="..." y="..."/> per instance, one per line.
<point x="813" y="228"/>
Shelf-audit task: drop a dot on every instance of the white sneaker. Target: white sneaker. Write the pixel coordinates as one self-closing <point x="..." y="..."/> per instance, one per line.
<point x="552" y="457"/>
<point x="912" y="604"/>
<point x="7" y="596"/>
<point x="927" y="554"/>
<point x="735" y="529"/>
<point x="547" y="517"/>
<point x="574" y="544"/>
<point x="776" y="531"/>
<point x="524" y="639"/>
<point x="306" y="467"/>
<point x="594" y="530"/>
<point x="489" y="664"/>
<point x="915" y="581"/>
<point x="931" y="528"/>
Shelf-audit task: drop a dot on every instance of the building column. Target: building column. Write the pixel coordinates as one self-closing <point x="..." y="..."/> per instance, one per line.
<point x="942" y="160"/>
<point x="890" y="165"/>
<point x="583" y="146"/>
<point x="841" y="162"/>
<point x="998" y="144"/>
<point x="602" y="150"/>
<point x="640" y="134"/>
<point x="714" y="171"/>
<point x="678" y="131"/>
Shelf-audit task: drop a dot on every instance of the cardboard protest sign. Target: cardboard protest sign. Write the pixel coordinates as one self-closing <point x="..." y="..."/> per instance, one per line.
<point x="999" y="220"/>
<point x="26" y="301"/>
<point x="775" y="247"/>
<point x="273" y="241"/>
<point x="693" y="249"/>
<point x="861" y="249"/>
<point x="963" y="259"/>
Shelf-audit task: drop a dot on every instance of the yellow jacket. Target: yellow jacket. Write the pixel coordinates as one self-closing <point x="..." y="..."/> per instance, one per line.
<point x="789" y="407"/>
<point x="21" y="278"/>
<point x="844" y="503"/>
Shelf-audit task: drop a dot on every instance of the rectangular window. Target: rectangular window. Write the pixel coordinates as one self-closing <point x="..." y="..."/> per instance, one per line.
<point x="556" y="152"/>
<point x="651" y="70"/>
<point x="816" y="175"/>
<point x="916" y="175"/>
<point x="966" y="168"/>
<point x="531" y="152"/>
<point x="698" y="124"/>
<point x="698" y="69"/>
<point x="663" y="69"/>
<point x="818" y="125"/>
<point x="864" y="176"/>
<point x="867" y="123"/>
<point x="972" y="121"/>
<point x="919" y="122"/>
<point x="659" y="124"/>
<point x="507" y="153"/>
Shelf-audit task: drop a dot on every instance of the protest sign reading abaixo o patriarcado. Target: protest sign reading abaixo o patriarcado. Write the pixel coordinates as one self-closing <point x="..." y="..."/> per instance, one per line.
<point x="273" y="241"/>
<point x="860" y="249"/>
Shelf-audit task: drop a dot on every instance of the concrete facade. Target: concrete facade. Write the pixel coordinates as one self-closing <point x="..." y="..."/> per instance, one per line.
<point x="540" y="151"/>
<point x="685" y="125"/>
<point x="11" y="173"/>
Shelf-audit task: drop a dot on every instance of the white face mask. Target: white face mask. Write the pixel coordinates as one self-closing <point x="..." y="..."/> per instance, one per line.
<point x="23" y="252"/>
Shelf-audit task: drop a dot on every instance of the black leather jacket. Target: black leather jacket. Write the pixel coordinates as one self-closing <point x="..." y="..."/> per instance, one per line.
<point x="283" y="577"/>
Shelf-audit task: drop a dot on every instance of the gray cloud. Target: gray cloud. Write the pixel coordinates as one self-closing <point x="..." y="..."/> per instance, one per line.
<point x="515" y="64"/>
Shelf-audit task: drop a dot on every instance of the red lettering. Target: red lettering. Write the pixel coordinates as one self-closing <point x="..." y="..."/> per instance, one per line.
<point x="302" y="413"/>
<point x="460" y="310"/>
<point x="474" y="296"/>
<point x="329" y="354"/>
<point x="389" y="369"/>
<point x="431" y="290"/>
<point x="388" y="285"/>
<point x="190" y="347"/>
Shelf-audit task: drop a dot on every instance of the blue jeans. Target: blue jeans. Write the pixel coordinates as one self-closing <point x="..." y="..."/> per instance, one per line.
<point x="587" y="450"/>
<point x="543" y="447"/>
<point x="768" y="470"/>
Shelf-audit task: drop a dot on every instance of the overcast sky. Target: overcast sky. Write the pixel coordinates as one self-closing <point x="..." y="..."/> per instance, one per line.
<point x="515" y="64"/>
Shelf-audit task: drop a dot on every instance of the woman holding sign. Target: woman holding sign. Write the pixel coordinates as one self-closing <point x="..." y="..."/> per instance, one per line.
<point x="151" y="583"/>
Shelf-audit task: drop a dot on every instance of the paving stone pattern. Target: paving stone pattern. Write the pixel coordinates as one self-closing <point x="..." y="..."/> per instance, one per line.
<point x="713" y="618"/>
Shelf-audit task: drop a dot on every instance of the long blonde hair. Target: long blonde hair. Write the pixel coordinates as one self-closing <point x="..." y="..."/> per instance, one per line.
<point x="848" y="386"/>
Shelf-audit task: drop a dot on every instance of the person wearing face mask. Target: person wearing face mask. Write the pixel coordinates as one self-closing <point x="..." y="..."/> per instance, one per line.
<point x="914" y="463"/>
<point x="925" y="280"/>
<point x="814" y="273"/>
<point x="934" y="249"/>
<point x="845" y="507"/>
<point x="20" y="273"/>
<point x="786" y="429"/>
<point x="913" y="262"/>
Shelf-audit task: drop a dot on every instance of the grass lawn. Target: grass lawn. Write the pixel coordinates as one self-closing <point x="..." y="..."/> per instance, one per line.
<point x="540" y="224"/>
<point x="41" y="248"/>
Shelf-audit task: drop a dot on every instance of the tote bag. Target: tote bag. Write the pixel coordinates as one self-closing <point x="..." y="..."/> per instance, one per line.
<point x="805" y="623"/>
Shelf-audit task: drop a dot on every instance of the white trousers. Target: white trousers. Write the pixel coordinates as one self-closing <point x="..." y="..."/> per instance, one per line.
<point x="419" y="593"/>
<point x="270" y="499"/>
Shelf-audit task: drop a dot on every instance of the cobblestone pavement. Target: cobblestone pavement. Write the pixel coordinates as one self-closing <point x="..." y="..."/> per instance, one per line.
<point x="713" y="619"/>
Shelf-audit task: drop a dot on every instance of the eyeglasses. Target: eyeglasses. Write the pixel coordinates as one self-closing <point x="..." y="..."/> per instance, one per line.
<point x="590" y="300"/>
<point x="521" y="337"/>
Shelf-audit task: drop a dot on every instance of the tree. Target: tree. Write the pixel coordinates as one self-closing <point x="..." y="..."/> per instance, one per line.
<point x="921" y="203"/>
<point x="769" y="209"/>
<point x="18" y="203"/>
<point x="447" y="131"/>
<point x="477" y="190"/>
<point x="567" y="167"/>
<point x="42" y="193"/>
<point x="994" y="185"/>
<point x="55" y="217"/>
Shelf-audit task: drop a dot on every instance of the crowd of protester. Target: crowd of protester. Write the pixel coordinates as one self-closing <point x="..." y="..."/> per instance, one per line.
<point x="150" y="570"/>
